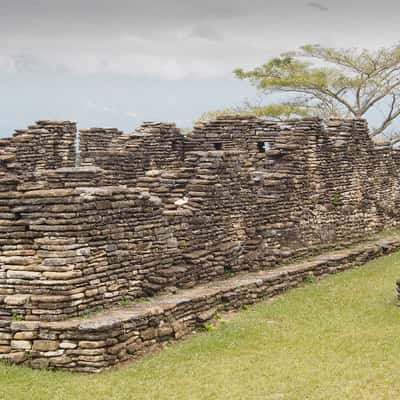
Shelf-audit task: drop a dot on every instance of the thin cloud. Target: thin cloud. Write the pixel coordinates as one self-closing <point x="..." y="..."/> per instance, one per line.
<point x="205" y="31"/>
<point x="109" y="109"/>
<point x="91" y="105"/>
<point x="178" y="40"/>
<point x="318" y="6"/>
<point x="131" y="114"/>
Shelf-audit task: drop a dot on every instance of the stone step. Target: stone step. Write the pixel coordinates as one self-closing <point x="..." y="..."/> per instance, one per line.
<point x="107" y="338"/>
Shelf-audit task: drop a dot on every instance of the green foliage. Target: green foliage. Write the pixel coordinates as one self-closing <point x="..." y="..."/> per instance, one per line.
<point x="309" y="279"/>
<point x="125" y="301"/>
<point x="89" y="314"/>
<point x="17" y="317"/>
<point x="282" y="110"/>
<point x="245" y="307"/>
<point x="328" y="82"/>
<point x="208" y="327"/>
<point x="277" y="111"/>
<point x="141" y="299"/>
<point x="218" y="316"/>
<point x="336" y="199"/>
<point x="229" y="272"/>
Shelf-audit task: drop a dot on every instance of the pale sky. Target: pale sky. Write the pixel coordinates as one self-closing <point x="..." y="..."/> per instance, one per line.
<point x="119" y="62"/>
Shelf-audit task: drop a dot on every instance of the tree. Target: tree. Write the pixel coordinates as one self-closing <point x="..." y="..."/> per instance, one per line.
<point x="279" y="111"/>
<point x="329" y="82"/>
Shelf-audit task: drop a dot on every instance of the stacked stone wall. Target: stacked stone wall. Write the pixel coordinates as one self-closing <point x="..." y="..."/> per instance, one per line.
<point x="154" y="211"/>
<point x="106" y="339"/>
<point x="45" y="145"/>
<point x="126" y="157"/>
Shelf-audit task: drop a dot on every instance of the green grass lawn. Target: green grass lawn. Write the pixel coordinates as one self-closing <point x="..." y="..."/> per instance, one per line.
<point x="336" y="339"/>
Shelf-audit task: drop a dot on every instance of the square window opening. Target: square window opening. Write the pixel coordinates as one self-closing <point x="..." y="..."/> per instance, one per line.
<point x="263" y="147"/>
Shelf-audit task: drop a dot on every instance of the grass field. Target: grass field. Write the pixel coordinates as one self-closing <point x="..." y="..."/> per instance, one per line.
<point x="336" y="339"/>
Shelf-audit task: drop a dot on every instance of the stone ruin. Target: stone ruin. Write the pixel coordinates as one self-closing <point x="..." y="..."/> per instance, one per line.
<point x="120" y="218"/>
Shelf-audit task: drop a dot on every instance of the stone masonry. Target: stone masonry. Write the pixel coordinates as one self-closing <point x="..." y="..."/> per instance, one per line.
<point x="156" y="212"/>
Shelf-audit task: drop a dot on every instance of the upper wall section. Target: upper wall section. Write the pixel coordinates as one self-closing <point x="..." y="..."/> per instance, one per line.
<point x="126" y="157"/>
<point x="236" y="133"/>
<point x="45" y="145"/>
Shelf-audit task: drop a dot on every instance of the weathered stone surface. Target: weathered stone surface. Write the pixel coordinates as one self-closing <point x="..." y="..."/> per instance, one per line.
<point x="21" y="344"/>
<point x="15" y="357"/>
<point x="16" y="300"/>
<point x="68" y="345"/>
<point x="5" y="336"/>
<point x="5" y="349"/>
<point x="26" y="335"/>
<point x="24" y="325"/>
<point x="39" y="363"/>
<point x="157" y="212"/>
<point x="141" y="327"/>
<point x="45" y="345"/>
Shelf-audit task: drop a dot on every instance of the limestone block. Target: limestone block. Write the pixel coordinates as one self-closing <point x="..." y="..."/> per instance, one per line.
<point x="45" y="345"/>
<point x="21" y="344"/>
<point x="16" y="300"/>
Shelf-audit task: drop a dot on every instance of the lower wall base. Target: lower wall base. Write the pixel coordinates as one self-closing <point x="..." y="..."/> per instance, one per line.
<point x="111" y="337"/>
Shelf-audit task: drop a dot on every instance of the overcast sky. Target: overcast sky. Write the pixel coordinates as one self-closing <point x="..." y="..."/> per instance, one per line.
<point x="119" y="62"/>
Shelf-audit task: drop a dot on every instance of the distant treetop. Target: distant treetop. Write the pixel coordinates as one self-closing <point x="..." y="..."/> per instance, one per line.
<point x="328" y="82"/>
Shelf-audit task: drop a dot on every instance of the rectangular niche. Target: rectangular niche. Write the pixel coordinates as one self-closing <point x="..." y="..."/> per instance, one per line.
<point x="263" y="147"/>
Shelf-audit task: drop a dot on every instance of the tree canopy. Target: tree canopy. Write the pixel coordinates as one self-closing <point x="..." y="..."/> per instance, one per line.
<point x="328" y="82"/>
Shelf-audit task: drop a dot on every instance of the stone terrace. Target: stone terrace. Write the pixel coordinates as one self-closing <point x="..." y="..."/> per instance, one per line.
<point x="105" y="339"/>
<point x="154" y="212"/>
